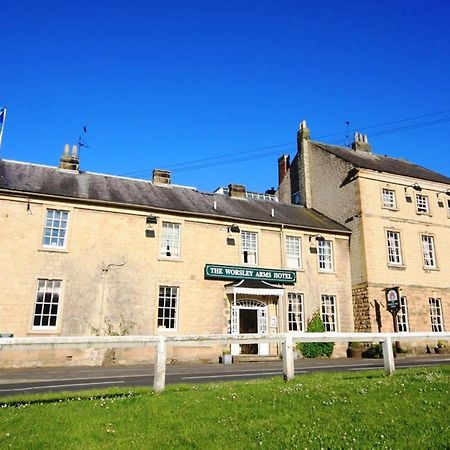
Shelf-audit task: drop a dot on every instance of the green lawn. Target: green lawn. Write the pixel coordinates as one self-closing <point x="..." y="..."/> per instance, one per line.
<point x="357" y="410"/>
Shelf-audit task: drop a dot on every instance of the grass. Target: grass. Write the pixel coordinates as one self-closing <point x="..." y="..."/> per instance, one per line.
<point x="358" y="410"/>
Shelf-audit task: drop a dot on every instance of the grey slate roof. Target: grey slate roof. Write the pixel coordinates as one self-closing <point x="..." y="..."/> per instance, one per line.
<point x="43" y="180"/>
<point x="382" y="163"/>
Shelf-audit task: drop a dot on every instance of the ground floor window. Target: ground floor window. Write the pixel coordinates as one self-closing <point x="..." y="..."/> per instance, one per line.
<point x="167" y="307"/>
<point x="295" y="311"/>
<point x="328" y="310"/>
<point x="47" y="303"/>
<point x="437" y="320"/>
<point x="402" y="316"/>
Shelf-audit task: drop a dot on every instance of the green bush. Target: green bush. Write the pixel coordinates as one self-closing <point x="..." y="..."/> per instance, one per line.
<point x="315" y="349"/>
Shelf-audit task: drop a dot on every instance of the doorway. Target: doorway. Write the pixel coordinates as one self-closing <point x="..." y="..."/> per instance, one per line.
<point x="249" y="316"/>
<point x="248" y="323"/>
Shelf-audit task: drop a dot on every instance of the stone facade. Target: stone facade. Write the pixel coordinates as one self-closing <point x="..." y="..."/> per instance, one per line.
<point x="382" y="200"/>
<point x="113" y="264"/>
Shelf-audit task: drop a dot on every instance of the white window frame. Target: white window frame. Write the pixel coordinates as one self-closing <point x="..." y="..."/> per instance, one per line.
<point x="168" y="303"/>
<point x="325" y="255"/>
<point x="56" y="226"/>
<point x="249" y="247"/>
<point x="436" y="316"/>
<point x="389" y="198"/>
<point x="293" y="245"/>
<point x="428" y="251"/>
<point x="47" y="304"/>
<point x="170" y="245"/>
<point x="328" y="312"/>
<point x="394" y="248"/>
<point x="296" y="312"/>
<point x="422" y="204"/>
<point x="402" y="316"/>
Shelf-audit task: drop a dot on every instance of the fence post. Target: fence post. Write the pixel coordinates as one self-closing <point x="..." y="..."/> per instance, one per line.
<point x="288" y="357"/>
<point x="388" y="356"/>
<point x="159" y="381"/>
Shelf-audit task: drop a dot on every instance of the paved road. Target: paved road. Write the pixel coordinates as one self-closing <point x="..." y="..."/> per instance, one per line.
<point x="25" y="381"/>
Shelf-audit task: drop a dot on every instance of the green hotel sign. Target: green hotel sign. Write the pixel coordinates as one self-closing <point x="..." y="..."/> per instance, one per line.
<point x="219" y="272"/>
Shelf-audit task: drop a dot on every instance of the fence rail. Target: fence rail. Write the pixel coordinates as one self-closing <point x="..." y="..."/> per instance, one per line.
<point x="161" y="342"/>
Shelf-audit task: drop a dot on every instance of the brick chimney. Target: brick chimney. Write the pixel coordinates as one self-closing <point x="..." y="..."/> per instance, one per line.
<point x="70" y="162"/>
<point x="237" y="191"/>
<point x="283" y="167"/>
<point x="161" y="176"/>
<point x="361" y="143"/>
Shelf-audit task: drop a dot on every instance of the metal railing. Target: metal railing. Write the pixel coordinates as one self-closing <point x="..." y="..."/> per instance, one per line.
<point x="160" y="342"/>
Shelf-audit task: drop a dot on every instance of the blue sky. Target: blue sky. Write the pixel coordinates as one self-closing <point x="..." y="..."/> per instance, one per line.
<point x="159" y="83"/>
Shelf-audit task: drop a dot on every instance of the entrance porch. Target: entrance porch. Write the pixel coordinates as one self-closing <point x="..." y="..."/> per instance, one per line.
<point x="256" y="308"/>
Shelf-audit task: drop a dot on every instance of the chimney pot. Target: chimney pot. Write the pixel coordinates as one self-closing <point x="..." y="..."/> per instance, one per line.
<point x="361" y="143"/>
<point x="303" y="131"/>
<point x="69" y="162"/>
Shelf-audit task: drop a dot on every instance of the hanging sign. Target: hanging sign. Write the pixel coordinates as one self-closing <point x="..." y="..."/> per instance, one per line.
<point x="219" y="272"/>
<point x="393" y="299"/>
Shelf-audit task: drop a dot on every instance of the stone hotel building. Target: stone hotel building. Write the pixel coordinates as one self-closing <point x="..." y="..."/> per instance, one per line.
<point x="84" y="253"/>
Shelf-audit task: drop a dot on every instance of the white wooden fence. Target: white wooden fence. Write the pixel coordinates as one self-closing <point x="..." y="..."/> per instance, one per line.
<point x="288" y="341"/>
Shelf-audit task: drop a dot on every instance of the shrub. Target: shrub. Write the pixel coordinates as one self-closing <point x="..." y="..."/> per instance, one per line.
<point x="315" y="349"/>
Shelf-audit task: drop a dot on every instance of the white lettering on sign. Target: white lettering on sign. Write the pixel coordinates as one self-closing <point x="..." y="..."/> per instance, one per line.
<point x="227" y="272"/>
<point x="263" y="274"/>
<point x="283" y="276"/>
<point x="238" y="272"/>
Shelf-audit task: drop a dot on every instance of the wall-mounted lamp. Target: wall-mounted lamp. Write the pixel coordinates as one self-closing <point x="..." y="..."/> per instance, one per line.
<point x="408" y="196"/>
<point x="150" y="220"/>
<point x="415" y="186"/>
<point x="317" y="237"/>
<point x="313" y="244"/>
<point x="234" y="229"/>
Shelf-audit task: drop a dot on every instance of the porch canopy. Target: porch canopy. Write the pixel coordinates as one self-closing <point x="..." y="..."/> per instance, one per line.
<point x="254" y="287"/>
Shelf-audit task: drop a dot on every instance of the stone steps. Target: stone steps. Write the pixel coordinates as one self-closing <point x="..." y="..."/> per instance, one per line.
<point x="255" y="358"/>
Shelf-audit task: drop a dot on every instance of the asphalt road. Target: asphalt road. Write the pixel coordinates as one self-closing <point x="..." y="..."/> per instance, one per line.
<point x="37" y="380"/>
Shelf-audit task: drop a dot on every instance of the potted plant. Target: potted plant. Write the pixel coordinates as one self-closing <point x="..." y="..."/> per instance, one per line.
<point x="227" y="357"/>
<point x="441" y="347"/>
<point x="355" y="349"/>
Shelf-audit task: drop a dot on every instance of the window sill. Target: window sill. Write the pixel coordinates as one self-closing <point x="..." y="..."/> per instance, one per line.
<point x="390" y="209"/>
<point x="419" y="213"/>
<point x="327" y="271"/>
<point x="431" y="269"/>
<point x="396" y="266"/>
<point x="44" y="330"/>
<point x="168" y="258"/>
<point x="53" y="249"/>
<point x="167" y="330"/>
